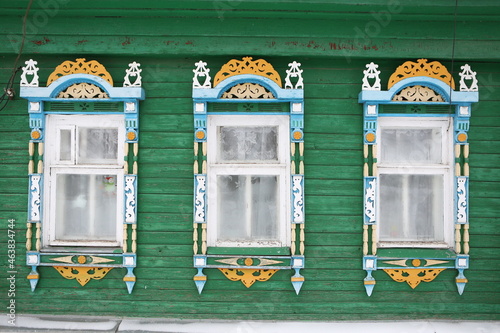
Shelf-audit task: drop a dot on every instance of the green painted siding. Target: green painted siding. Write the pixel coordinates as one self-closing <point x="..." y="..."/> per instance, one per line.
<point x="167" y="42"/>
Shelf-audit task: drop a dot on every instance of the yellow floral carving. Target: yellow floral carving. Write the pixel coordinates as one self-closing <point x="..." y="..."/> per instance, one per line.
<point x="83" y="274"/>
<point x="247" y="66"/>
<point x="248" y="276"/>
<point x="413" y="276"/>
<point x="421" y="68"/>
<point x="80" y="66"/>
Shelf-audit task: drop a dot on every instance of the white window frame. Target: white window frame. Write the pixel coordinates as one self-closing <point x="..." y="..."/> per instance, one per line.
<point x="445" y="168"/>
<point x="281" y="169"/>
<point x="53" y="166"/>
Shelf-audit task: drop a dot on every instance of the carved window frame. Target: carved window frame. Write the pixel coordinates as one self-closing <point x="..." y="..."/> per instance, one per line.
<point x="416" y="87"/>
<point x="78" y="88"/>
<point x="248" y="87"/>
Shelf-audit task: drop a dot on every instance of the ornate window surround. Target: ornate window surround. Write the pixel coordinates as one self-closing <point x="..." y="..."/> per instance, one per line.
<point x="250" y="75"/>
<point x="412" y="265"/>
<point x="97" y="86"/>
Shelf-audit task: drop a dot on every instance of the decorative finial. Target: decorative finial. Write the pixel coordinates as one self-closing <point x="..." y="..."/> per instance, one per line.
<point x="371" y="73"/>
<point x="201" y="71"/>
<point x="133" y="71"/>
<point x="30" y="69"/>
<point x="468" y="74"/>
<point x="294" y="71"/>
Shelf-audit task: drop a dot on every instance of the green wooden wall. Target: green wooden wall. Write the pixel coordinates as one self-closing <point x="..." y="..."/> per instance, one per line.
<point x="167" y="42"/>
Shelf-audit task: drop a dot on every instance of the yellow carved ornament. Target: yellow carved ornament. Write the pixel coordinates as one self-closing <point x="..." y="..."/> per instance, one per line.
<point x="247" y="66"/>
<point x="248" y="276"/>
<point x="80" y="66"/>
<point x="413" y="276"/>
<point x="432" y="69"/>
<point x="83" y="274"/>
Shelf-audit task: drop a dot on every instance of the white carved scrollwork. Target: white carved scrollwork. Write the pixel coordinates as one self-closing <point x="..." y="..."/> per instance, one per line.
<point x="133" y="71"/>
<point x="201" y="71"/>
<point x="298" y="199"/>
<point x="294" y="72"/>
<point x="371" y="73"/>
<point x="467" y="74"/>
<point x="35" y="198"/>
<point x="370" y="200"/>
<point x="199" y="201"/>
<point x="130" y="199"/>
<point x="461" y="200"/>
<point x="30" y="70"/>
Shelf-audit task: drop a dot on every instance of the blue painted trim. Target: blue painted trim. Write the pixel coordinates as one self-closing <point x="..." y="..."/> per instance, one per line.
<point x="451" y="96"/>
<point x="49" y="93"/>
<point x="418" y="115"/>
<point x="214" y="94"/>
<point x="228" y="113"/>
<point x="366" y="185"/>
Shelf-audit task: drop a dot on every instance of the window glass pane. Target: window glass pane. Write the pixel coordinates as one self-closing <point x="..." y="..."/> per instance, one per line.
<point x="85" y="207"/>
<point x="247" y="208"/>
<point x="411" y="207"/>
<point x="97" y="145"/>
<point x="411" y="145"/>
<point x="248" y="144"/>
<point x="65" y="145"/>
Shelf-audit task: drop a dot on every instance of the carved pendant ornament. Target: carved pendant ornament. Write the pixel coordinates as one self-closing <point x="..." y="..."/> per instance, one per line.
<point x="248" y="276"/>
<point x="413" y="276"/>
<point x="416" y="83"/>
<point x="83" y="274"/>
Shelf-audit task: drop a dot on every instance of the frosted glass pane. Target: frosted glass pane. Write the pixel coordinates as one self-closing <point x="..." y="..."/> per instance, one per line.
<point x="248" y="208"/>
<point x="411" y="145"/>
<point x="65" y="145"/>
<point x="97" y="145"/>
<point x="411" y="208"/>
<point x="85" y="207"/>
<point x="248" y="144"/>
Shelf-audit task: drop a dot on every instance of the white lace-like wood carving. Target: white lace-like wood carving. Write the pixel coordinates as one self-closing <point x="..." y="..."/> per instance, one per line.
<point x="294" y="72"/>
<point x="30" y="70"/>
<point x="247" y="91"/>
<point x="418" y="94"/>
<point x="371" y="73"/>
<point x="130" y="200"/>
<point x="298" y="199"/>
<point x="201" y="71"/>
<point x="83" y="90"/>
<point x="133" y="71"/>
<point x="35" y="198"/>
<point x="199" y="205"/>
<point x="370" y="200"/>
<point x="461" y="200"/>
<point x="468" y="74"/>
